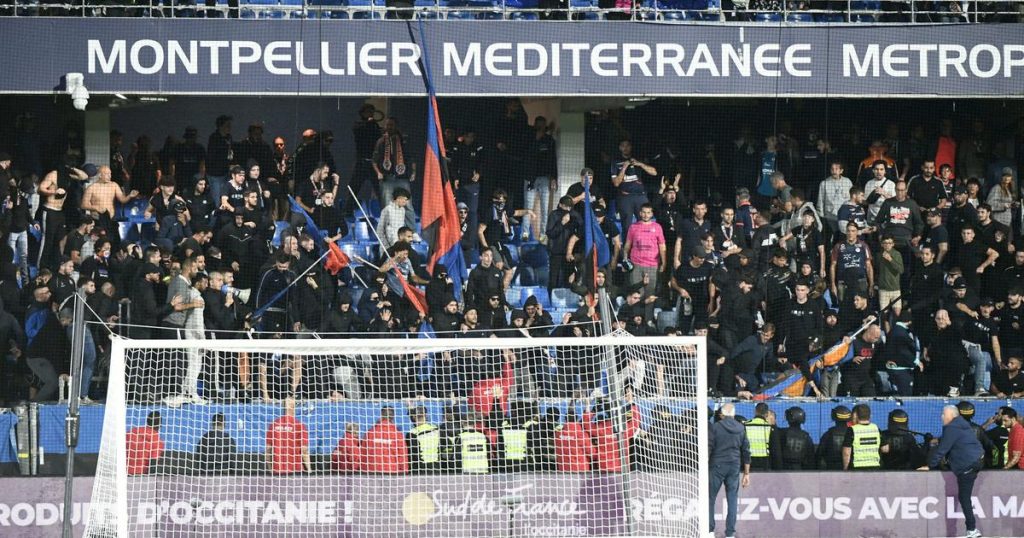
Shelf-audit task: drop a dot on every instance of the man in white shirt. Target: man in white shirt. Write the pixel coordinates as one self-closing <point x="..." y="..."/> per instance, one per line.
<point x="878" y="189"/>
<point x="832" y="194"/>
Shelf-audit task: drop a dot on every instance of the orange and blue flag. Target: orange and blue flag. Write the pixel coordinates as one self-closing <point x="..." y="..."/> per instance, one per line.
<point x="595" y="246"/>
<point x="439" y="214"/>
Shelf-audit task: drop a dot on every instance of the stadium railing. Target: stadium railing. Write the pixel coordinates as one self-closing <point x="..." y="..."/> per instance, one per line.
<point x="673" y="11"/>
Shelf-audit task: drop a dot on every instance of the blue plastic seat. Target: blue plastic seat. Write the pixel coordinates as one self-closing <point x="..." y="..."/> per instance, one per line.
<point x="675" y="15"/>
<point x="461" y="15"/>
<point x="540" y="293"/>
<point x="513" y="254"/>
<point x="800" y="17"/>
<point x="521" y="16"/>
<point x="512" y="296"/>
<point x="564" y="298"/>
<point x="830" y="18"/>
<point x="361" y="231"/>
<point x="768" y="17"/>
<point x="534" y="255"/>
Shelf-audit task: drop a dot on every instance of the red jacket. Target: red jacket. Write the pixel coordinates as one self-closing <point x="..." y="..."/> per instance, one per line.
<point x="483" y="391"/>
<point x="573" y="449"/>
<point x="606" y="446"/>
<point x="143" y="445"/>
<point x="384" y="449"/>
<point x="348" y="455"/>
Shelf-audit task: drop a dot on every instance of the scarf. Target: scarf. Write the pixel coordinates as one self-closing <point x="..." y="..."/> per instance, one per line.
<point x="393" y="145"/>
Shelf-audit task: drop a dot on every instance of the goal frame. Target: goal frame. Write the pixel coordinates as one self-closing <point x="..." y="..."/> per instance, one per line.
<point x="116" y="404"/>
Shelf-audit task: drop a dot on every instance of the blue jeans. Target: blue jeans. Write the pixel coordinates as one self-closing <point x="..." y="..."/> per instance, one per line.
<point x="218" y="186"/>
<point x="981" y="361"/>
<point x="902" y="381"/>
<point x="628" y="206"/>
<point x="541" y="191"/>
<point x="730" y="476"/>
<point x="965" y="489"/>
<point x="18" y="241"/>
<point x="88" y="362"/>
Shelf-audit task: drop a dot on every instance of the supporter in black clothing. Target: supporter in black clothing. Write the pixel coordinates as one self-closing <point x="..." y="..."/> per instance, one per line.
<point x="484" y="280"/>
<point x="1009" y="382"/>
<point x="201" y="205"/>
<point x="935" y="235"/>
<point x="342" y="320"/>
<point x="62" y="284"/>
<point x="564" y="232"/>
<point x="692" y="282"/>
<point x="1011" y="323"/>
<point x="668" y="212"/>
<point x="963" y="305"/>
<point x="448" y="321"/>
<point x="945" y="359"/>
<point x="858" y="374"/>
<point x="974" y="258"/>
<point x="926" y="189"/>
<point x="219" y="152"/>
<point x="802" y="324"/>
<point x="690" y="232"/>
<point x="961" y="215"/>
<point x="736" y="315"/>
<point x="189" y="160"/>
<point x="1013" y="276"/>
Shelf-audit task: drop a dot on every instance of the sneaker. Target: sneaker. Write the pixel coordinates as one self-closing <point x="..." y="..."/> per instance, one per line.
<point x="197" y="400"/>
<point x="85" y="400"/>
<point x="982" y="394"/>
<point x="954" y="392"/>
<point x="175" y="401"/>
<point x="974" y="534"/>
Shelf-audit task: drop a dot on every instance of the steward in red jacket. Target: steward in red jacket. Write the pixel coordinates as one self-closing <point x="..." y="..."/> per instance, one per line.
<point x="384" y="449"/>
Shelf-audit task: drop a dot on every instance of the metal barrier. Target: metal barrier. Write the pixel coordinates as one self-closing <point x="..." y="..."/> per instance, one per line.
<point x="673" y="11"/>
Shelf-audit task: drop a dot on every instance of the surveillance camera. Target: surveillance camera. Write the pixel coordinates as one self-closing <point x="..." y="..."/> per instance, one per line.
<point x="76" y="87"/>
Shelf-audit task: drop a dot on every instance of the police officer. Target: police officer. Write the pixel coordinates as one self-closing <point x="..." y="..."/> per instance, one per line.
<point x="759" y="432"/>
<point x="472" y="446"/>
<point x="900" y="450"/>
<point x="830" y="448"/>
<point x="449" y="433"/>
<point x="863" y="442"/>
<point x="513" y="438"/>
<point x="792" y="448"/>
<point x="966" y="410"/>
<point x="424" y="442"/>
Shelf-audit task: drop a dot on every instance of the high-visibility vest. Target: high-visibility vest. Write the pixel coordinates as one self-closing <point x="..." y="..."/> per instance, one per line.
<point x="758" y="431"/>
<point x="866" y="442"/>
<point x="514" y="440"/>
<point x="474" y="451"/>
<point x="429" y="440"/>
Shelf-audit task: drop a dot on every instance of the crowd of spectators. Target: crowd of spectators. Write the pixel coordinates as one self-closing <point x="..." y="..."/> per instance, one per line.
<point x="766" y="247"/>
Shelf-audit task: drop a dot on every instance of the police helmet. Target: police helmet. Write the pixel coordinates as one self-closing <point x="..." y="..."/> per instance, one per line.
<point x="898" y="419"/>
<point x="966" y="409"/>
<point x="841" y="413"/>
<point x="795" y="416"/>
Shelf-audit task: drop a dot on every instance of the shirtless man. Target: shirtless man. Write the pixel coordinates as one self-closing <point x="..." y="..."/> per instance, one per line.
<point x="99" y="199"/>
<point x="54" y="191"/>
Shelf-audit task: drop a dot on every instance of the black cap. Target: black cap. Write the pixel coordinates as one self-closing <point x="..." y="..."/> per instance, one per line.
<point x="4" y="156"/>
<point x="960" y="189"/>
<point x="959" y="283"/>
<point x="191" y="131"/>
<point x="150" y="268"/>
<point x="934" y="212"/>
<point x="987" y="302"/>
<point x="599" y="211"/>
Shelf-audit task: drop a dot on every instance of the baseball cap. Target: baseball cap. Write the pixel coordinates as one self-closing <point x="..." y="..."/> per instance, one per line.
<point x="960" y="189"/>
<point x="934" y="212"/>
<point x="959" y="283"/>
<point x="4" y="156"/>
<point x="191" y="131"/>
<point x="462" y="205"/>
<point x="987" y="302"/>
<point x="1006" y="171"/>
<point x="698" y="252"/>
<point x="599" y="211"/>
<point x="90" y="169"/>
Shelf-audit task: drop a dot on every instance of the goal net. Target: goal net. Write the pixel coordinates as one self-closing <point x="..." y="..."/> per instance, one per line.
<point x="517" y="436"/>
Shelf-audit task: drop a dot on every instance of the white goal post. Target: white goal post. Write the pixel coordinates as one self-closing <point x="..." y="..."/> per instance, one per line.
<point x="481" y="437"/>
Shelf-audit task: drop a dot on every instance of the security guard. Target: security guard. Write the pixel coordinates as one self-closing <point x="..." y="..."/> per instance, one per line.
<point x="830" y="449"/>
<point x="759" y="431"/>
<point x="863" y="442"/>
<point x="792" y="448"/>
<point x="540" y="438"/>
<point x="966" y="410"/>
<point x="514" y="436"/>
<point x="472" y="448"/>
<point x="424" y="442"/>
<point x="900" y="450"/>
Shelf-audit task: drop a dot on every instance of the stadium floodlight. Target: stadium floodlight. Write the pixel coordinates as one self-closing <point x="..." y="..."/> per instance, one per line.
<point x="520" y="450"/>
<point x="77" y="90"/>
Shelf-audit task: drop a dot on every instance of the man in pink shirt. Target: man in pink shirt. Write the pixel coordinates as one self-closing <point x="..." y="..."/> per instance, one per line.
<point x="645" y="248"/>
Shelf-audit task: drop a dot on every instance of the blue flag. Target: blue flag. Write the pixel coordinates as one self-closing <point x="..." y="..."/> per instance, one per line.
<point x="595" y="246"/>
<point x="311" y="228"/>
